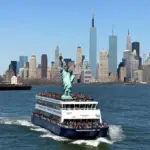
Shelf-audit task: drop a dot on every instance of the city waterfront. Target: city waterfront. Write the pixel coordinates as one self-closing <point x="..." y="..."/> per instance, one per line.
<point x="125" y="108"/>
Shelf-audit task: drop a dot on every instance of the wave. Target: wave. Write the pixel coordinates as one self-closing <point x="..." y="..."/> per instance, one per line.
<point x="54" y="137"/>
<point x="115" y="132"/>
<point x="92" y="143"/>
<point x="17" y="122"/>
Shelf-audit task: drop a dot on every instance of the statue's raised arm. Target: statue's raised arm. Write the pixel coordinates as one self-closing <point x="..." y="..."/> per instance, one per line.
<point x="67" y="79"/>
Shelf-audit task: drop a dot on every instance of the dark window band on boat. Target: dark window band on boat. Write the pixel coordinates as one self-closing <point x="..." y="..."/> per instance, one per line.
<point x="66" y="106"/>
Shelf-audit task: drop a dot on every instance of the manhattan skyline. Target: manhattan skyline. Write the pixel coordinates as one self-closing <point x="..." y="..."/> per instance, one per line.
<point x="28" y="27"/>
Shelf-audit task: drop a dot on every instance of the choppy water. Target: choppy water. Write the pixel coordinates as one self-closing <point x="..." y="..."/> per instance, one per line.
<point x="124" y="107"/>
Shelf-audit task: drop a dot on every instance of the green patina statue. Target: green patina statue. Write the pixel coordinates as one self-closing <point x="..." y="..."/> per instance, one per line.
<point x="67" y="79"/>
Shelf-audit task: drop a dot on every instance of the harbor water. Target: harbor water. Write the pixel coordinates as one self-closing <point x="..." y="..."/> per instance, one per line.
<point x="124" y="107"/>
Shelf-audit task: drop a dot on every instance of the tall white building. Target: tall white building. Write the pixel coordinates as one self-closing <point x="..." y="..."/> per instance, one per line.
<point x="32" y="67"/>
<point x="103" y="67"/>
<point x="79" y="56"/>
<point x="57" y="56"/>
<point x="55" y="75"/>
<point x="49" y="73"/>
<point x="138" y="75"/>
<point x="38" y="72"/>
<point x="85" y="64"/>
<point x="131" y="63"/>
<point x="128" y="42"/>
<point x="26" y="73"/>
<point x="147" y="61"/>
<point x="21" y="72"/>
<point x="86" y="75"/>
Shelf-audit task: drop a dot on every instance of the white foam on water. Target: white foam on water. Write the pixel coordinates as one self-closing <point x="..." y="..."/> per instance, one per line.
<point x="38" y="129"/>
<point x="92" y="143"/>
<point x="116" y="133"/>
<point x="24" y="123"/>
<point x="54" y="137"/>
<point x="32" y="127"/>
<point x="17" y="122"/>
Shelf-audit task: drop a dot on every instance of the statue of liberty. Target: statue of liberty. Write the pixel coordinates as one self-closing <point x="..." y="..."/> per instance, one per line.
<point x="67" y="79"/>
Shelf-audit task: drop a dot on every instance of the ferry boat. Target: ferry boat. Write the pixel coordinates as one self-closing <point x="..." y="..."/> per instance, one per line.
<point x="76" y="118"/>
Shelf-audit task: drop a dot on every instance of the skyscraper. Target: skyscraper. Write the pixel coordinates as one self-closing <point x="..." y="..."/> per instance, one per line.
<point x="128" y="42"/>
<point x="32" y="67"/>
<point x="93" y="48"/>
<point x="112" y="55"/>
<point x="131" y="63"/>
<point x="103" y="66"/>
<point x="136" y="46"/>
<point x="83" y="58"/>
<point x="79" y="56"/>
<point x="57" y="56"/>
<point x="18" y="67"/>
<point x="13" y="66"/>
<point x="67" y="60"/>
<point x="22" y="61"/>
<point x="44" y="66"/>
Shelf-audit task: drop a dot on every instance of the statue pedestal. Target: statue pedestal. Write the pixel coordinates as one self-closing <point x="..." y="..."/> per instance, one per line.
<point x="66" y="97"/>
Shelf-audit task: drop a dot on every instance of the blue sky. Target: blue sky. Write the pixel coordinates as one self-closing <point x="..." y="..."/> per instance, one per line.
<point x="39" y="25"/>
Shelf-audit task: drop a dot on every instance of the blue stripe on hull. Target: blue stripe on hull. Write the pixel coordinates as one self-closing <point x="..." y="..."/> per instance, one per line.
<point x="69" y="132"/>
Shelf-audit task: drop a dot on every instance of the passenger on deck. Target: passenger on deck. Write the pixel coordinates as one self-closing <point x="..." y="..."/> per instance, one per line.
<point x="76" y="97"/>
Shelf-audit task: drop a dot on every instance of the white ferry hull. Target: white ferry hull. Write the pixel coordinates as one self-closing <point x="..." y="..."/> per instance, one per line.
<point x="71" y="133"/>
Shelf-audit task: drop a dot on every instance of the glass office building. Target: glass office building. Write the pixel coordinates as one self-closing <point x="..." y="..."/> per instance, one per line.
<point x="44" y="65"/>
<point x="93" y="49"/>
<point x="112" y="55"/>
<point x="13" y="66"/>
<point x="22" y="61"/>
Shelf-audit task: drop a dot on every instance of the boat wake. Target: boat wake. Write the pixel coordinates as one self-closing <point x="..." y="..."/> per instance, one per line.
<point x="115" y="132"/>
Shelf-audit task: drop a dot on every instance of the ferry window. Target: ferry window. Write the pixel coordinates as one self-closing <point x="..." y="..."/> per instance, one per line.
<point x="93" y="105"/>
<point x="89" y="106"/>
<point x="82" y="106"/>
<point x="86" y="106"/>
<point x="77" y="106"/>
<point x="72" y="106"/>
<point x="68" y="106"/>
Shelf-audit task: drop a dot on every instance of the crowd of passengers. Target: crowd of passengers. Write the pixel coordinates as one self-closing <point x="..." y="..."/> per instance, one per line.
<point x="72" y="124"/>
<point x="76" y="97"/>
<point x="84" y="124"/>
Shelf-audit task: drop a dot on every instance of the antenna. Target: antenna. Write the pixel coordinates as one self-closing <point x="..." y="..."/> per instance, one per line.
<point x="92" y="12"/>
